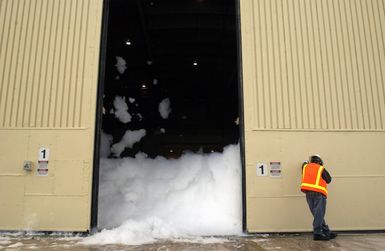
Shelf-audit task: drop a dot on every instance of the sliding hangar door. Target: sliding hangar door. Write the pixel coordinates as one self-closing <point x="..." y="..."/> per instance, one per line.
<point x="314" y="82"/>
<point x="49" y="61"/>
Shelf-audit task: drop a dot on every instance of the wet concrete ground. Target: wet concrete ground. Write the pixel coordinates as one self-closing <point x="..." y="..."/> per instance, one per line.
<point x="348" y="242"/>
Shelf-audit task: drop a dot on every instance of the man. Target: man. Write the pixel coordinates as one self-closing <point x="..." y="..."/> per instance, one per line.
<point x="314" y="184"/>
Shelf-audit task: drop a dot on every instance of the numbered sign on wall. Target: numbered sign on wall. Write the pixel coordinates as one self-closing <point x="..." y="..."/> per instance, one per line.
<point x="261" y="169"/>
<point x="42" y="162"/>
<point x="43" y="154"/>
<point x="275" y="169"/>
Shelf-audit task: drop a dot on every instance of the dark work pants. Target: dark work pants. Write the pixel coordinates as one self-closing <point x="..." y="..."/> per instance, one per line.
<point x="317" y="205"/>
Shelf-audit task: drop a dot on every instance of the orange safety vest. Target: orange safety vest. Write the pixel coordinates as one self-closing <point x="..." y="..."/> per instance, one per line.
<point x="312" y="179"/>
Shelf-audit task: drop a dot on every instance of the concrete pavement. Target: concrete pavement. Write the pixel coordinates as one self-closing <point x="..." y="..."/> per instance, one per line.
<point x="348" y="242"/>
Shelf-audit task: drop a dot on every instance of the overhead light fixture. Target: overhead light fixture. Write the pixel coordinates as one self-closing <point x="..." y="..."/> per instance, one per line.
<point x="195" y="63"/>
<point x="144" y="86"/>
<point x="128" y="42"/>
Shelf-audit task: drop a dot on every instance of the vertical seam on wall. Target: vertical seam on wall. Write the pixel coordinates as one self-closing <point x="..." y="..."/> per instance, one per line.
<point x="322" y="73"/>
<point x="23" y="80"/>
<point x="28" y="80"/>
<point x="59" y="66"/>
<point x="336" y="116"/>
<point x="268" y="69"/>
<point x="358" y="70"/>
<point x="40" y="82"/>
<point x="363" y="95"/>
<point x="65" y="66"/>
<point x="3" y="81"/>
<point x="256" y="117"/>
<point x="84" y="63"/>
<point x="3" y="26"/>
<point x="351" y="68"/>
<point x="275" y="85"/>
<point x="348" y="109"/>
<point x="15" y="82"/>
<point x="299" y="69"/>
<point x="286" y="65"/>
<point x="317" y="95"/>
<point x="78" y="80"/>
<point x="304" y="72"/>
<point x="342" y="102"/>
<point x="329" y="113"/>
<point x="282" y="97"/>
<point x="1" y="50"/>
<point x="53" y="36"/>
<point x="379" y="124"/>
<point x="325" y="65"/>
<point x="311" y="103"/>
<point x="45" y="102"/>
<point x="55" y="113"/>
<point x="370" y="78"/>
<point x="70" y="82"/>
<point x="262" y="64"/>
<point x="379" y="57"/>
<point x="290" y="39"/>
<point x="34" y="66"/>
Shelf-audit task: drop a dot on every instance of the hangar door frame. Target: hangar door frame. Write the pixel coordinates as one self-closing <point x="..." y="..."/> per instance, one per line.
<point x="98" y="121"/>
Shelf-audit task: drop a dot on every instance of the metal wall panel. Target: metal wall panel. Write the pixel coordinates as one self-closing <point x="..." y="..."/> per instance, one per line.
<point x="49" y="57"/>
<point x="43" y="63"/>
<point x="317" y="64"/>
<point x="314" y="82"/>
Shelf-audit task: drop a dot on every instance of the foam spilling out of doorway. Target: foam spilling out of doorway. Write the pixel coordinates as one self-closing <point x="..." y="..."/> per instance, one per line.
<point x="142" y="200"/>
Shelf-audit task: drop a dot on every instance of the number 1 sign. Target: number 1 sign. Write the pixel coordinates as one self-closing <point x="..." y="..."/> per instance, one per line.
<point x="43" y="154"/>
<point x="42" y="162"/>
<point x="261" y="169"/>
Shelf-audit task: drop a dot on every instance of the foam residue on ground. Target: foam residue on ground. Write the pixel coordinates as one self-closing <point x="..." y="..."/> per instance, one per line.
<point x="142" y="200"/>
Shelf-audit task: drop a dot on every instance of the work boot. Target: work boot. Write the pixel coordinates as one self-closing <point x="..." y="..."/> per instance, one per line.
<point x="327" y="231"/>
<point x="321" y="237"/>
<point x="332" y="235"/>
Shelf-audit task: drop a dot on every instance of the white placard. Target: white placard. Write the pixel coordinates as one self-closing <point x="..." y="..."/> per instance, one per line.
<point x="42" y="168"/>
<point x="261" y="169"/>
<point x="43" y="154"/>
<point x="275" y="169"/>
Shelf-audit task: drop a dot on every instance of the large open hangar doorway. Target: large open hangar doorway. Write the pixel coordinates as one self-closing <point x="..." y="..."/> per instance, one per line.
<point x="169" y="87"/>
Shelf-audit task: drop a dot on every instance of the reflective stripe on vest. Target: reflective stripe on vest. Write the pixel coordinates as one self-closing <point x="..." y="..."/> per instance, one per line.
<point x="316" y="186"/>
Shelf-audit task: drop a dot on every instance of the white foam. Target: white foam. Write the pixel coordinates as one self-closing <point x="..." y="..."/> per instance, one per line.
<point x="121" y="109"/>
<point x="121" y="65"/>
<point x="165" y="108"/>
<point x="128" y="140"/>
<point x="150" y="199"/>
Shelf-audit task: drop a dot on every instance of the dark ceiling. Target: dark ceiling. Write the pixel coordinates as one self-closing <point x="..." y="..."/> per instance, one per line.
<point x="189" y="48"/>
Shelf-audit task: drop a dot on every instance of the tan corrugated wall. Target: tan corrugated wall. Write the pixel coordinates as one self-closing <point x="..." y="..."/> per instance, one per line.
<point x="49" y="56"/>
<point x="314" y="82"/>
